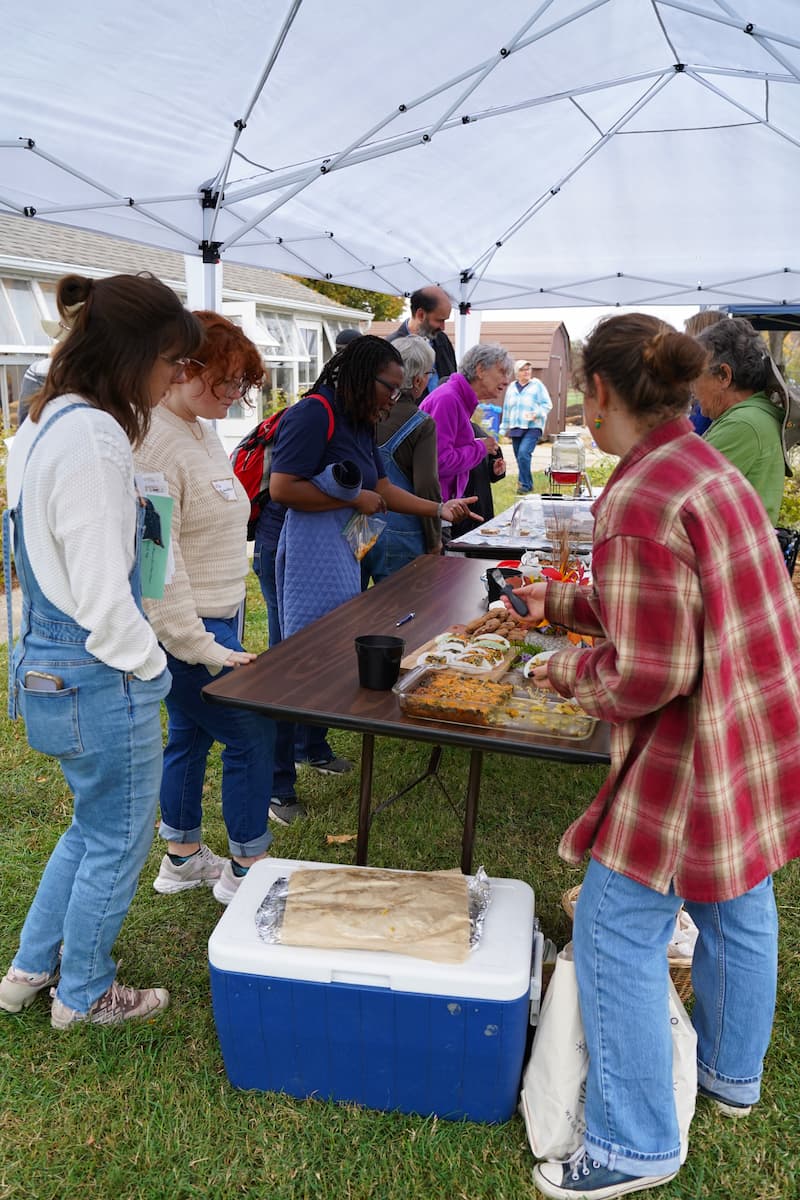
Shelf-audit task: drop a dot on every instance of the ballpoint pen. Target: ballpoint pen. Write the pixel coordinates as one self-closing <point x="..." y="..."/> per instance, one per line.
<point x="407" y="617"/>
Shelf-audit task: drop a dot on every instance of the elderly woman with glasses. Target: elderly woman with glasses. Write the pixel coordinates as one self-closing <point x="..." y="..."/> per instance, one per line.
<point x="407" y="440"/>
<point x="197" y="619"/>
<point x="745" y="423"/>
<point x="482" y="378"/>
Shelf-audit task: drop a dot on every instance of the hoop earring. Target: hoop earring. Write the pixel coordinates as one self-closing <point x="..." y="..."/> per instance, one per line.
<point x="598" y="421"/>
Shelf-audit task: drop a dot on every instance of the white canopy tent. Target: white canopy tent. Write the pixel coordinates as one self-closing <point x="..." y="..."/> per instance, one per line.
<point x="526" y="153"/>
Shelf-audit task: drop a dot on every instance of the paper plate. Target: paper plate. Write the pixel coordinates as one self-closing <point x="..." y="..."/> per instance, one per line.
<point x="536" y="661"/>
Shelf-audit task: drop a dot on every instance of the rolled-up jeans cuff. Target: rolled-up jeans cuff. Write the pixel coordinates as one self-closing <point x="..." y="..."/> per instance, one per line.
<point x="617" y="1159"/>
<point x="736" y="1091"/>
<point x="181" y="836"/>
<point x="250" y="849"/>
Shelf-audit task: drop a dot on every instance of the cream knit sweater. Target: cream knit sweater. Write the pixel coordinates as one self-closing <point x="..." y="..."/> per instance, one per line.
<point x="209" y="536"/>
<point x="79" y="517"/>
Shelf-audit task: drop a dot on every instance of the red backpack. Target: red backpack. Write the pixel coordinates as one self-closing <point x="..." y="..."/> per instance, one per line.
<point x="252" y="461"/>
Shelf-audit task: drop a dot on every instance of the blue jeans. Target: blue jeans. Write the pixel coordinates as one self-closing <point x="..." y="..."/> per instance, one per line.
<point x="91" y="876"/>
<point x="621" y="934"/>
<point x="104" y="727"/>
<point x="293" y="743"/>
<point x="248" y="740"/>
<point x="524" y="445"/>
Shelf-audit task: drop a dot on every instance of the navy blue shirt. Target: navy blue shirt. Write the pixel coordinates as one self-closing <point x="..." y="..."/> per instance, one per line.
<point x="302" y="448"/>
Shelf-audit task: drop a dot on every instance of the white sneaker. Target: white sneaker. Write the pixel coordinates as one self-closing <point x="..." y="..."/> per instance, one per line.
<point x="227" y="885"/>
<point x="202" y="869"/>
<point x="728" y="1108"/>
<point x="118" y="1004"/>
<point x="19" y="989"/>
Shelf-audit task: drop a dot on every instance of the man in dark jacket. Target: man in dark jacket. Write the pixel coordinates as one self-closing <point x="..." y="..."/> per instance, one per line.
<point x="430" y="308"/>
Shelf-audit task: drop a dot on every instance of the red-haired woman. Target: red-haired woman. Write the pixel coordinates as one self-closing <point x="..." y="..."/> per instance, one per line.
<point x="197" y="620"/>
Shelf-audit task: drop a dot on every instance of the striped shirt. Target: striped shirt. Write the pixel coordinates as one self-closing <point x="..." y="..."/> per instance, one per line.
<point x="699" y="674"/>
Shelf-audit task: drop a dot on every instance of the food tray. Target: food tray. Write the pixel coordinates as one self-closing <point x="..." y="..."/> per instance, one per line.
<point x="412" y="660"/>
<point x="507" y="704"/>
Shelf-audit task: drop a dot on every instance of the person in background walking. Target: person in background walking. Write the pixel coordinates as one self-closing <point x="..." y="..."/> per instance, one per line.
<point x="525" y="407"/>
<point x="87" y="673"/>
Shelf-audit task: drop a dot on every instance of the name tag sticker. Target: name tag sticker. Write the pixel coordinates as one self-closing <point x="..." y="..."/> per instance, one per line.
<point x="225" y="488"/>
<point x="151" y="483"/>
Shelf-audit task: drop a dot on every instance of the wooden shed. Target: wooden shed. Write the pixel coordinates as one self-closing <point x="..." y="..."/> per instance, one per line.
<point x="545" y="344"/>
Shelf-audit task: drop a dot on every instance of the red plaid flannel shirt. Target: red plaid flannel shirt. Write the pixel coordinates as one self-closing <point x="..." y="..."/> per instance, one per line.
<point x="699" y="674"/>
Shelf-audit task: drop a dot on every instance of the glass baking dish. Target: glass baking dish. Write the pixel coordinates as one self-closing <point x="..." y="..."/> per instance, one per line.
<point x="443" y="694"/>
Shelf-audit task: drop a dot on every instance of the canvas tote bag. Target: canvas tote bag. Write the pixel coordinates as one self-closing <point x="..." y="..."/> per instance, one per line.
<point x="554" y="1082"/>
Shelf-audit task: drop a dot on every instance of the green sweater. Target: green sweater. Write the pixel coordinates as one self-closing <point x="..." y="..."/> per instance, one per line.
<point x="749" y="434"/>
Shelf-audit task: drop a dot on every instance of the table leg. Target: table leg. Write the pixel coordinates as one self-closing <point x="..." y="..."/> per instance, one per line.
<point x="365" y="797"/>
<point x="471" y="809"/>
<point x="430" y="772"/>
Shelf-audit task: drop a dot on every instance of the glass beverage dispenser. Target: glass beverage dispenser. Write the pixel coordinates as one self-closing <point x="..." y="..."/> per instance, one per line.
<point x="568" y="464"/>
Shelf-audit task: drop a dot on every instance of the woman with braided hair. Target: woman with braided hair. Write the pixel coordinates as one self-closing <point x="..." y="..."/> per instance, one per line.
<point x="326" y="465"/>
<point x="695" y="667"/>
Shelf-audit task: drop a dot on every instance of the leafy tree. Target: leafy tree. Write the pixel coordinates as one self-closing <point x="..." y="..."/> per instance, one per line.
<point x="791" y="352"/>
<point x="382" y="307"/>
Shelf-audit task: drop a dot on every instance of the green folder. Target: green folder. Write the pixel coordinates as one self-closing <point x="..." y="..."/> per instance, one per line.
<point x="155" y="558"/>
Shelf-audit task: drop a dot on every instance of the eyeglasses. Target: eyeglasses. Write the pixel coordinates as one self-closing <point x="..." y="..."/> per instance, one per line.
<point x="180" y="364"/>
<point x="232" y="387"/>
<point x="235" y="388"/>
<point x="394" y="392"/>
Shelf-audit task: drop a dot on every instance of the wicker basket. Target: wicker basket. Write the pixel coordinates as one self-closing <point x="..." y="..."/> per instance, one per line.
<point x="680" y="969"/>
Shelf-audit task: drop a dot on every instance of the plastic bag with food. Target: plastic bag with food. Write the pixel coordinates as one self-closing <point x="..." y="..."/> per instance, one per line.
<point x="362" y="532"/>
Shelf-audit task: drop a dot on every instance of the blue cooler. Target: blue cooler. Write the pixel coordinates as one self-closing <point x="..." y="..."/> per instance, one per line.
<point x="364" y="1027"/>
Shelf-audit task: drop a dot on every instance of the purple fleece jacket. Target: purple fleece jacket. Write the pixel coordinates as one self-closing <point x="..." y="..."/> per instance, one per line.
<point x="451" y="405"/>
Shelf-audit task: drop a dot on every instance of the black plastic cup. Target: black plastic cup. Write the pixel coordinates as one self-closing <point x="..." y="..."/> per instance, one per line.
<point x="379" y="661"/>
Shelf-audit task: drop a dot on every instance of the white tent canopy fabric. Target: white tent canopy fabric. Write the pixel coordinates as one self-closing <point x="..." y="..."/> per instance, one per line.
<point x="526" y="153"/>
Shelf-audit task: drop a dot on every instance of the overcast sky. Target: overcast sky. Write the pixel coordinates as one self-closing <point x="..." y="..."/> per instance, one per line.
<point x="579" y="321"/>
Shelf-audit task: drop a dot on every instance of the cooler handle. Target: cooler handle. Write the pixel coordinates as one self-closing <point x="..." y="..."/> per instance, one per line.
<point x="361" y="979"/>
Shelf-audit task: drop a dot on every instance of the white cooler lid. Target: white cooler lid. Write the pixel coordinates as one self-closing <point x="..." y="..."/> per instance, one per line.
<point x="499" y="969"/>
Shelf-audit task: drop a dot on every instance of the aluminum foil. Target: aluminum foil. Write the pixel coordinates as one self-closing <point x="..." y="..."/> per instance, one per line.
<point x="269" y="914"/>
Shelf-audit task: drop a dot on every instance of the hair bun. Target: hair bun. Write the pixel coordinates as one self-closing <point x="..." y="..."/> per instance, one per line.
<point x="72" y="290"/>
<point x="672" y="358"/>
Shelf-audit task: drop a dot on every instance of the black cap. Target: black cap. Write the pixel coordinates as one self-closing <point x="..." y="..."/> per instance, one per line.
<point x="345" y="336"/>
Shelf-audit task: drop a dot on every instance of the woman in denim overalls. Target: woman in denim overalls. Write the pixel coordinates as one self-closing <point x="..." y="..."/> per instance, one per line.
<point x="87" y="674"/>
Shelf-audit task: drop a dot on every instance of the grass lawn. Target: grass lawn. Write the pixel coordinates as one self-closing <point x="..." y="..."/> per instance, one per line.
<point x="145" y="1112"/>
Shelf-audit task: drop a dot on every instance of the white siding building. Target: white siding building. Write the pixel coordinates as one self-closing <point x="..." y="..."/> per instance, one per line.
<point x="293" y="326"/>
